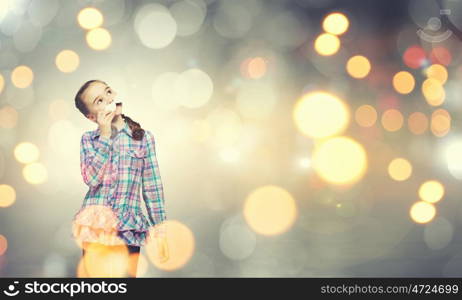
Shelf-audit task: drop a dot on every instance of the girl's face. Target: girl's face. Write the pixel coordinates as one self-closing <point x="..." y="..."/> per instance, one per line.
<point x="96" y="97"/>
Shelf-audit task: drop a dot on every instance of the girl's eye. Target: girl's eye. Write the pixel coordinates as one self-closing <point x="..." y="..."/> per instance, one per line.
<point x="100" y="100"/>
<point x="109" y="91"/>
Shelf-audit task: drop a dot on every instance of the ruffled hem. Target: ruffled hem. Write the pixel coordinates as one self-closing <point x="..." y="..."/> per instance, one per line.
<point x="96" y="235"/>
<point x="102" y="224"/>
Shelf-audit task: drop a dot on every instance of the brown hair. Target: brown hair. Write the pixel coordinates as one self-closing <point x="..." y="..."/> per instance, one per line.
<point x="137" y="131"/>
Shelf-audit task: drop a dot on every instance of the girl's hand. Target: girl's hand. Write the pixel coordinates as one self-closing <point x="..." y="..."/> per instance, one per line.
<point x="162" y="247"/>
<point x="104" y="120"/>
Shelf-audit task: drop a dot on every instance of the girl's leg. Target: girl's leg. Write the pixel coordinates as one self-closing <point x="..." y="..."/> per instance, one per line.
<point x="85" y="245"/>
<point x="134" y="253"/>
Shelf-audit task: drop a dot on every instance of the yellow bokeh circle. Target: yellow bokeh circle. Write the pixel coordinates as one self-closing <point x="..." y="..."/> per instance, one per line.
<point x="431" y="191"/>
<point x="89" y="18"/>
<point x="67" y="61"/>
<point x="400" y="169"/>
<point x="22" y="76"/>
<point x="358" y="66"/>
<point x="366" y="115"/>
<point x="35" y="173"/>
<point x="340" y="160"/>
<point x="438" y="72"/>
<point x="98" y="39"/>
<point x="327" y="44"/>
<point x="403" y="82"/>
<point x="180" y="243"/>
<point x="336" y="23"/>
<point x="320" y="114"/>
<point x="7" y="195"/>
<point x="422" y="212"/>
<point x="26" y="152"/>
<point x="270" y="210"/>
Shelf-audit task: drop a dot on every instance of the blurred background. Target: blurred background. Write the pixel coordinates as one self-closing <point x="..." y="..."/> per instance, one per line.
<point x="295" y="138"/>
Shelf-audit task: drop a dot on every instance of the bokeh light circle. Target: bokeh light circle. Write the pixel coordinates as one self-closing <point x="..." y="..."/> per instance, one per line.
<point x="2" y="83"/>
<point x="26" y="152"/>
<point x="22" y="76"/>
<point x="438" y="234"/>
<point x="270" y="210"/>
<point x="431" y="191"/>
<point x="327" y="44"/>
<point x="320" y="114"/>
<point x="7" y="195"/>
<point x="155" y="26"/>
<point x="194" y="87"/>
<point x="90" y="18"/>
<point x="105" y="260"/>
<point x="67" y="61"/>
<point x="8" y="117"/>
<point x="422" y="212"/>
<point x="99" y="38"/>
<point x="403" y="82"/>
<point x="440" y="122"/>
<point x="340" y="160"/>
<point x="358" y="66"/>
<point x="189" y="16"/>
<point x="335" y="23"/>
<point x="3" y="244"/>
<point x="180" y="242"/>
<point x="414" y="57"/>
<point x="433" y="91"/>
<point x="453" y="158"/>
<point x="392" y="120"/>
<point x="400" y="169"/>
<point x="254" y="67"/>
<point x="441" y="55"/>
<point x="438" y="72"/>
<point x="35" y="173"/>
<point x="417" y="122"/>
<point x="237" y="241"/>
<point x="366" y="115"/>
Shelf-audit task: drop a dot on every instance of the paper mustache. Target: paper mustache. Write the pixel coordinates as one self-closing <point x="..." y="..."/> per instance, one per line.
<point x="112" y="107"/>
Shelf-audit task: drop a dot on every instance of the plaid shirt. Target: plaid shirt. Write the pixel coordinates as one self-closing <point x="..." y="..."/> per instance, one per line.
<point x="114" y="169"/>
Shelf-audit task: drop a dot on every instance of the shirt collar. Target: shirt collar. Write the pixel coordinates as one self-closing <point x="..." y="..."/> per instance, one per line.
<point x="95" y="133"/>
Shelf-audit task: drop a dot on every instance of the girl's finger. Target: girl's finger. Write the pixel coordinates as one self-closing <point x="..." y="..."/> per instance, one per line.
<point x="109" y="114"/>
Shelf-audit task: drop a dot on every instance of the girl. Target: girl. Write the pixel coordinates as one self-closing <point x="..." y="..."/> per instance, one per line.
<point x="116" y="159"/>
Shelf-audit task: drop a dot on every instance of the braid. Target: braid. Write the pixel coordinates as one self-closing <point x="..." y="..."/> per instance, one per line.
<point x="137" y="131"/>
